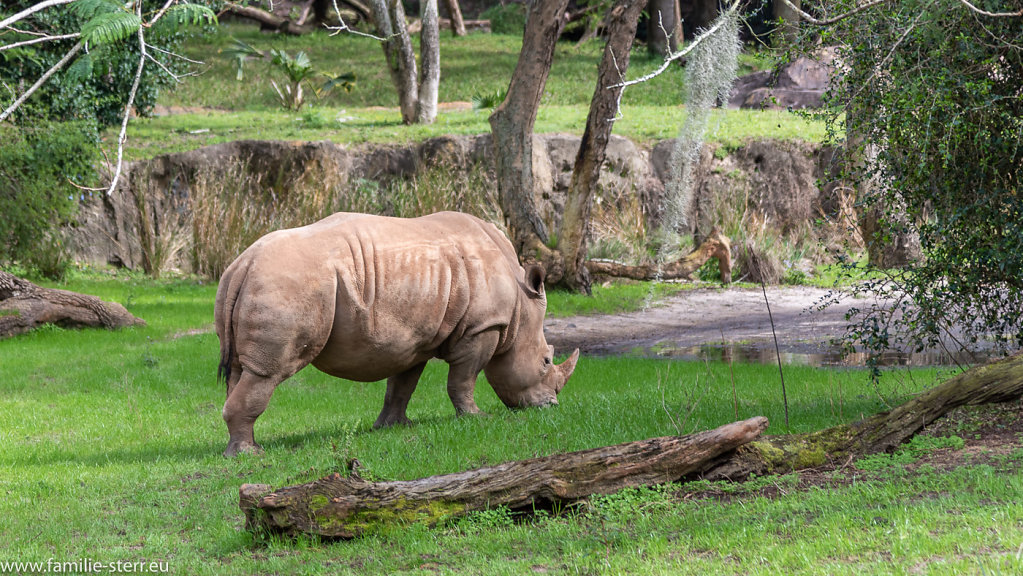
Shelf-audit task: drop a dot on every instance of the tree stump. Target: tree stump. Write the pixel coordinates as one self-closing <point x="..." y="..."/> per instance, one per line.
<point x="24" y="306"/>
<point x="339" y="507"/>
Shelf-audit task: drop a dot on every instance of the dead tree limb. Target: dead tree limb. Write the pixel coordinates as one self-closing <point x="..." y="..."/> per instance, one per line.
<point x="24" y="306"/>
<point x="268" y="19"/>
<point x="717" y="246"/>
<point x="1000" y="381"/>
<point x="340" y="507"/>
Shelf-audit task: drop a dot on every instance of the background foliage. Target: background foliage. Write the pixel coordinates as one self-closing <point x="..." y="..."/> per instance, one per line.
<point x="52" y="144"/>
<point x="935" y="88"/>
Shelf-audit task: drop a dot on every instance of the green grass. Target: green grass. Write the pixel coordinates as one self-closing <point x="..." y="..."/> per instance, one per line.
<point x="110" y="449"/>
<point x="611" y="298"/>
<point x="644" y="124"/>
<point x="223" y="109"/>
<point x="474" y="64"/>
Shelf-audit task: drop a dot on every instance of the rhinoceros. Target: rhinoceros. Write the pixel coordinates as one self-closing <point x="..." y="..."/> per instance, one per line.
<point x="368" y="297"/>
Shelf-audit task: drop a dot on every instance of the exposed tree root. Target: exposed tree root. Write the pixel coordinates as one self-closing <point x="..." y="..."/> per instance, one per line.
<point x="717" y="245"/>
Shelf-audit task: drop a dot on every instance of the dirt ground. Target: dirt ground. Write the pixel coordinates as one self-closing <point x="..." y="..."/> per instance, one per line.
<point x="711" y="316"/>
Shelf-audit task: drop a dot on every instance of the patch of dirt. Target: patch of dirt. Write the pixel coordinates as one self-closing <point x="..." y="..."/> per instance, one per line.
<point x="711" y="316"/>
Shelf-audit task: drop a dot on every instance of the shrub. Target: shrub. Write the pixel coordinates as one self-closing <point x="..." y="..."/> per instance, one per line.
<point x="506" y="19"/>
<point x="37" y="166"/>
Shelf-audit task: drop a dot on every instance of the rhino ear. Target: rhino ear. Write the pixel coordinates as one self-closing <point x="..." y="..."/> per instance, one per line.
<point x="534" y="280"/>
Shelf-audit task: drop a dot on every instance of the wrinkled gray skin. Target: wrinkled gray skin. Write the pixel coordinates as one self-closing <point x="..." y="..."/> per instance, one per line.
<point x="367" y="297"/>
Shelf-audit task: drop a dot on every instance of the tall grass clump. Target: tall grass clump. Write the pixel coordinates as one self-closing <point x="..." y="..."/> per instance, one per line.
<point x="234" y="206"/>
<point x="443" y="186"/>
<point x="163" y="234"/>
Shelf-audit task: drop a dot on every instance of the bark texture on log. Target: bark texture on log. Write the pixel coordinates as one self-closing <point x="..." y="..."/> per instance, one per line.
<point x="621" y="29"/>
<point x="1000" y="381"/>
<point x="717" y="246"/>
<point x="339" y="507"/>
<point x="24" y="306"/>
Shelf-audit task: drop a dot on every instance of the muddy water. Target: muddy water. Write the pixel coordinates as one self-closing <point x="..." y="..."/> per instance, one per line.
<point x="766" y="354"/>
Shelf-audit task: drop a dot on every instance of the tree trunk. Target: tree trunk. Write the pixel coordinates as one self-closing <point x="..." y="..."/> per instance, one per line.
<point x="716" y="246"/>
<point x="24" y="306"/>
<point x="662" y="34"/>
<point x="1000" y="381"/>
<point x="457" y="23"/>
<point x="341" y="507"/>
<point x="698" y="14"/>
<point x="512" y="125"/>
<point x="429" y="54"/>
<point x="575" y="225"/>
<point x="389" y="16"/>
<point x="787" y="33"/>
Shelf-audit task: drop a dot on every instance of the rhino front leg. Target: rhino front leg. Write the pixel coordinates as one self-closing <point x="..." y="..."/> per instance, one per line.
<point x="466" y="363"/>
<point x="246" y="401"/>
<point x="399" y="389"/>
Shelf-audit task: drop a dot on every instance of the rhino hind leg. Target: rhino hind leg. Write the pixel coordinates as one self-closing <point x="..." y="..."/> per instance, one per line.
<point x="399" y="389"/>
<point x="246" y="401"/>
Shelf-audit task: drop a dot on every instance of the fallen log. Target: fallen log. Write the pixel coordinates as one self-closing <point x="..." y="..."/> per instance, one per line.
<point x="24" y="306"/>
<point x="340" y="507"/>
<point x="268" y="20"/>
<point x="1000" y="381"/>
<point x="717" y="245"/>
<point x="416" y="26"/>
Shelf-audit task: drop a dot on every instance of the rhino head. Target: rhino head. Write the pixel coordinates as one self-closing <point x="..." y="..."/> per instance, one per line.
<point x="525" y="374"/>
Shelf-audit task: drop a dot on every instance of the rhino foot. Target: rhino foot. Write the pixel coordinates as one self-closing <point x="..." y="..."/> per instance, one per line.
<point x="242" y="446"/>
<point x="387" y="420"/>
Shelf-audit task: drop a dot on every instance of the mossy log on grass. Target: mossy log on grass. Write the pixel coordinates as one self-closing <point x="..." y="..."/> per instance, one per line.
<point x="999" y="381"/>
<point x="340" y="507"/>
<point x="24" y="306"/>
<point x="717" y="246"/>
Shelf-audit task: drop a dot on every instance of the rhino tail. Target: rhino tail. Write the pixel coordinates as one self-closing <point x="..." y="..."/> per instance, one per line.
<point x="230" y="287"/>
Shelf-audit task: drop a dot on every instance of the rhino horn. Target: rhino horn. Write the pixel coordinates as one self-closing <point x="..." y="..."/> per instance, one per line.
<point x="563" y="371"/>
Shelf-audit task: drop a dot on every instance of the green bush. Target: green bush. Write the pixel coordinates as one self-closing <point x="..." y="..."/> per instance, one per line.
<point x="37" y="166"/>
<point x="506" y="19"/>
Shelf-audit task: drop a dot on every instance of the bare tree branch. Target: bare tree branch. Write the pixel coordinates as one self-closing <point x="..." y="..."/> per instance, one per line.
<point x="42" y="80"/>
<point x="32" y="10"/>
<point x="161" y="12"/>
<point x="345" y="28"/>
<point x="127" y="107"/>
<point x="38" y="40"/>
<point x="873" y="3"/>
<point x="835" y="19"/>
<point x="991" y="14"/>
<point x="679" y="54"/>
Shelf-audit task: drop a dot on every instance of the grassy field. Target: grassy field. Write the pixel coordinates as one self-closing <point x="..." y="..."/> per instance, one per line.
<point x="214" y="106"/>
<point x="110" y="449"/>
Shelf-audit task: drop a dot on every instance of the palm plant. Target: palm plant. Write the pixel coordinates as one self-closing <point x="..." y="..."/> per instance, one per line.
<point x="298" y="70"/>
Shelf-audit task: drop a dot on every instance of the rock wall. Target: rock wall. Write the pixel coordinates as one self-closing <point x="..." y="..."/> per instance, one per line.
<point x="777" y="183"/>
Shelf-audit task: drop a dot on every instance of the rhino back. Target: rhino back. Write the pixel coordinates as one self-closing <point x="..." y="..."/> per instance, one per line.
<point x="409" y="289"/>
